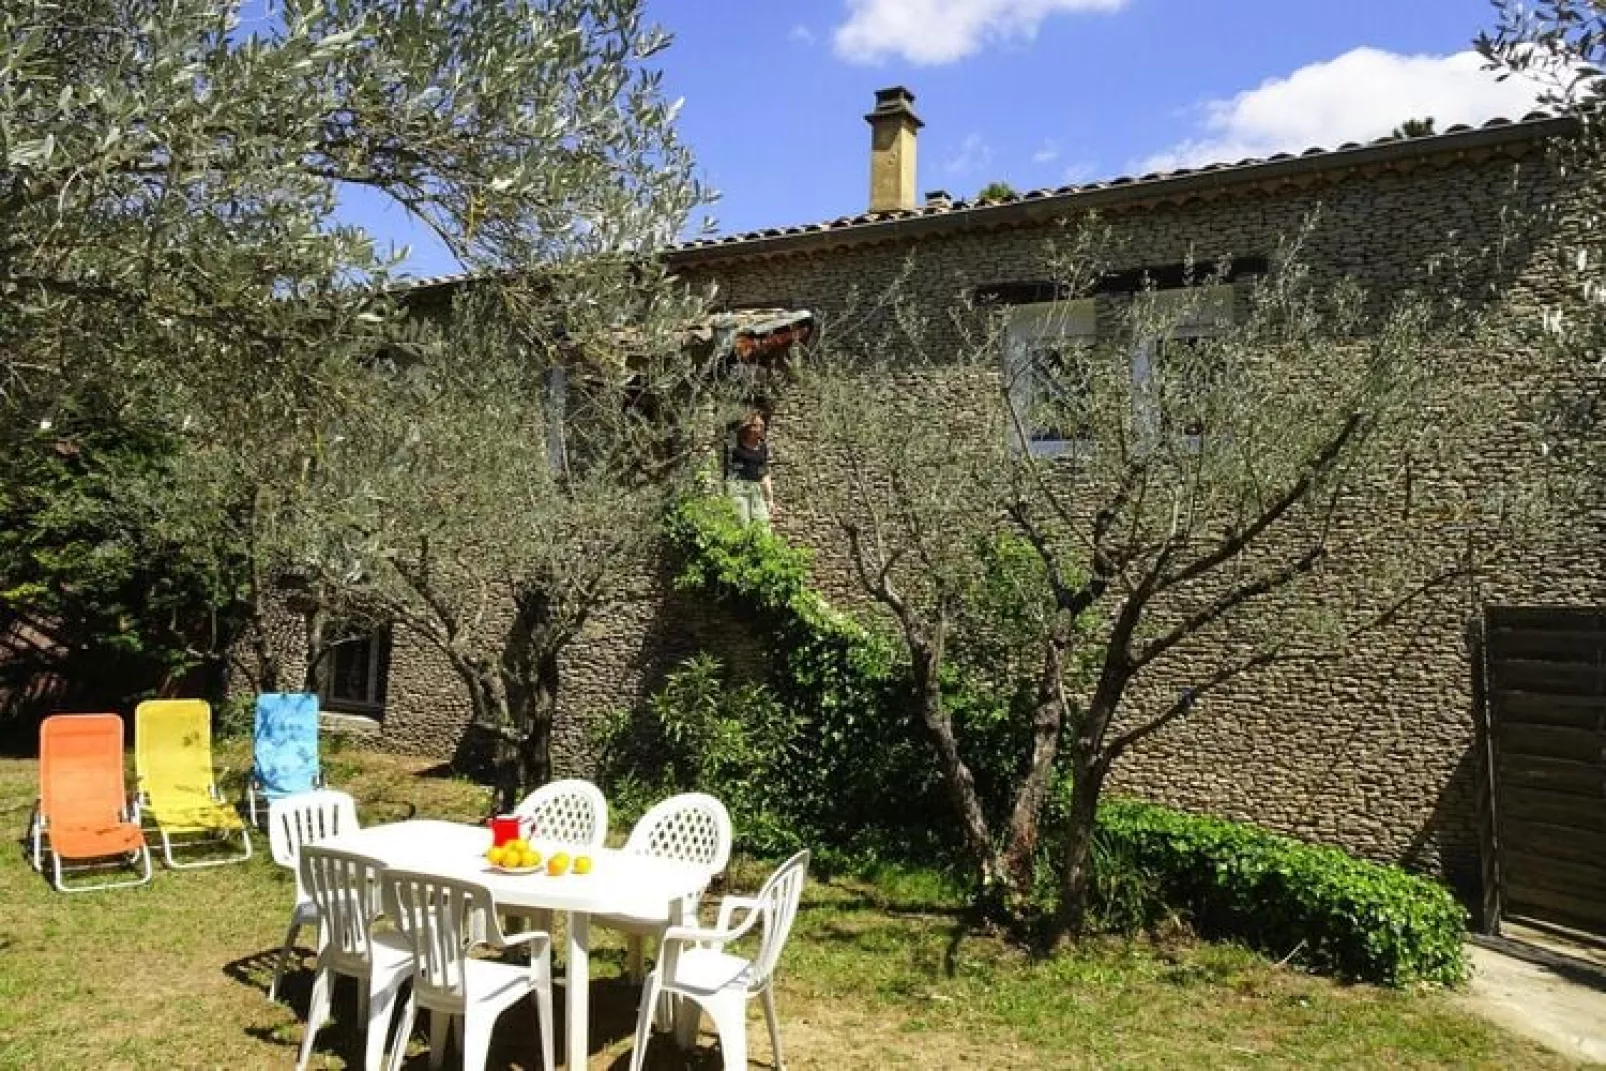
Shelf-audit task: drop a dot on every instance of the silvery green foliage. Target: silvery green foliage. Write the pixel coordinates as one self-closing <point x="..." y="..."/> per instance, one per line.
<point x="1242" y="476"/>
<point x="171" y="172"/>
<point x="503" y="479"/>
<point x="169" y="244"/>
<point x="1561" y="44"/>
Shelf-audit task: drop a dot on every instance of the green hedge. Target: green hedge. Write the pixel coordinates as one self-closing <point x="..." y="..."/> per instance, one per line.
<point x="1331" y="911"/>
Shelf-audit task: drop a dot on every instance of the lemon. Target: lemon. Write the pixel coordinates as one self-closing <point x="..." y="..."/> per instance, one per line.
<point x="495" y="856"/>
<point x="582" y="864"/>
<point x="558" y="864"/>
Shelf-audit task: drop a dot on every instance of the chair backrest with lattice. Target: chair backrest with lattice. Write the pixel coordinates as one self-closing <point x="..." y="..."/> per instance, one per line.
<point x="778" y="900"/>
<point x="569" y="812"/>
<point x="441" y="918"/>
<point x="693" y="828"/>
<point x="307" y="818"/>
<point x="345" y="886"/>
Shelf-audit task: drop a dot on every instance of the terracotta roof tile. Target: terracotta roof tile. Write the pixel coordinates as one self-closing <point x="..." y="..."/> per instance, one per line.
<point x="952" y="206"/>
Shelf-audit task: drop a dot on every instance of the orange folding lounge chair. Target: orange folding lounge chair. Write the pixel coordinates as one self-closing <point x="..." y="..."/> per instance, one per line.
<point x="83" y="812"/>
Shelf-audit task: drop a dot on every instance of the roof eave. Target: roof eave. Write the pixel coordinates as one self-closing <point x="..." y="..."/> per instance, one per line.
<point x="1128" y="193"/>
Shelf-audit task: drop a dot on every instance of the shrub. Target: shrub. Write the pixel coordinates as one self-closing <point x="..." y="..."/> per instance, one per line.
<point x="1325" y="908"/>
<point x="869" y="787"/>
<point x="698" y="733"/>
<point x="234" y="717"/>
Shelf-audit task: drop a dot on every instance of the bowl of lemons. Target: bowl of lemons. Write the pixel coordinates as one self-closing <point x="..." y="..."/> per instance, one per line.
<point x="517" y="856"/>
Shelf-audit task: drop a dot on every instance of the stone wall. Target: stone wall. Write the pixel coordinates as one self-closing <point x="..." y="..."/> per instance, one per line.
<point x="1376" y="754"/>
<point x="620" y="657"/>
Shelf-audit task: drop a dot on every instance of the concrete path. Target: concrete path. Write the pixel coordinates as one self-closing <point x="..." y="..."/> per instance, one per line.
<point x="1561" y="1008"/>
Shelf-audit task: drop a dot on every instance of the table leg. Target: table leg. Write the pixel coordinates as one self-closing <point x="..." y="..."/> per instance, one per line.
<point x="683" y="1013"/>
<point x="577" y="991"/>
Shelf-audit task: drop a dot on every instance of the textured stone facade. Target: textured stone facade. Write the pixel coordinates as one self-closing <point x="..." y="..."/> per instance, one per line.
<point x="1376" y="754"/>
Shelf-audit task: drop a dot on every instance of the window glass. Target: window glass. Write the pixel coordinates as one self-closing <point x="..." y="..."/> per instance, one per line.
<point x="353" y="670"/>
<point x="1048" y="364"/>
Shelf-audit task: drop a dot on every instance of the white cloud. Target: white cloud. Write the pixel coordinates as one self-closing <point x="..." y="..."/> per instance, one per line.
<point x="1079" y="172"/>
<point x="942" y="31"/>
<point x="801" y="34"/>
<point x="1046" y="153"/>
<point x="973" y="155"/>
<point x="1361" y="95"/>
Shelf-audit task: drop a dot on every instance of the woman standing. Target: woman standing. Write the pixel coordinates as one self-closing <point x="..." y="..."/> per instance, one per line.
<point x="747" y="472"/>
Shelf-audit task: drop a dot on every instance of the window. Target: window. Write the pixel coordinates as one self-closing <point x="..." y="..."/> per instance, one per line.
<point x="353" y="670"/>
<point x="1048" y="365"/>
<point x="1173" y="369"/>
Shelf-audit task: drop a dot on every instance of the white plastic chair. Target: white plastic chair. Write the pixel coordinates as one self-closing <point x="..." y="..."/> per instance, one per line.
<point x="441" y="919"/>
<point x="694" y="964"/>
<point x="569" y="812"/>
<point x="573" y="813"/>
<point x="345" y="887"/>
<point x="692" y="828"/>
<point x="294" y="821"/>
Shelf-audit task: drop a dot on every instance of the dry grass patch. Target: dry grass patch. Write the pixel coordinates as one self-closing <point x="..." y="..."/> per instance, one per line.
<point x="879" y="974"/>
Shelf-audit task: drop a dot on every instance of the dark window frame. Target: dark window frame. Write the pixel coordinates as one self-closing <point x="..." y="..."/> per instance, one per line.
<point x="371" y="649"/>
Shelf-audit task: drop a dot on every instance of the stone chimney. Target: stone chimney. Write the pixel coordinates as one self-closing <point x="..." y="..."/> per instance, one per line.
<point x="893" y="125"/>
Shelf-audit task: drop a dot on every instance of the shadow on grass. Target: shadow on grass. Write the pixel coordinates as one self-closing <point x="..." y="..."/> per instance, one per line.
<point x="380" y="811"/>
<point x="83" y="877"/>
<point x="446" y="771"/>
<point x="515" y="1043"/>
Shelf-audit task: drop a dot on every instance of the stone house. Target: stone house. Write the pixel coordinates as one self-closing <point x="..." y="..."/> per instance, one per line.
<point x="1382" y="754"/>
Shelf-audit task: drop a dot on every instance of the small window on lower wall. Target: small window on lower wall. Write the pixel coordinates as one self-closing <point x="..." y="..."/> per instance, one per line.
<point x="353" y="670"/>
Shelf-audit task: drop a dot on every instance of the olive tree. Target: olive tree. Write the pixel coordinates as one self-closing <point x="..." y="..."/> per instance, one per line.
<point x="1209" y="481"/>
<point x="1561" y="46"/>
<point x="172" y="244"/>
<point x="503" y="481"/>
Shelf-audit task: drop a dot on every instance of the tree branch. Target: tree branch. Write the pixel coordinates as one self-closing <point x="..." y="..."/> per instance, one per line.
<point x="1277" y="656"/>
<point x="1191" y="695"/>
<point x="1230" y="600"/>
<point x="1324" y="460"/>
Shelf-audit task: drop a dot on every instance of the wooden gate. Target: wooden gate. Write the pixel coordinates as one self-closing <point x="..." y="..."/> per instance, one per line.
<point x="1545" y="689"/>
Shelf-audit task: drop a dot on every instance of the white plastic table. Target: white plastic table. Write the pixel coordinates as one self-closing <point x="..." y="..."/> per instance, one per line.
<point x="618" y="884"/>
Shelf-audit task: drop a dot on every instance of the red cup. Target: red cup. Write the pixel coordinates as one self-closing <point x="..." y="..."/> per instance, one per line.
<point x="504" y="827"/>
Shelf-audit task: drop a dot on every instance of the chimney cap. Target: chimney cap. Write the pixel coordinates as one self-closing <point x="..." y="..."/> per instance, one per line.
<point x="895" y="102"/>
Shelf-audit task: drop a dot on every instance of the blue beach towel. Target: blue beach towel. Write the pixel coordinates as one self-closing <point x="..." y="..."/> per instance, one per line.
<point x="286" y="744"/>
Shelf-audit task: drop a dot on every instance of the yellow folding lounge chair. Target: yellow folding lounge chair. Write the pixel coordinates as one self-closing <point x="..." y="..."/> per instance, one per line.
<point x="173" y="762"/>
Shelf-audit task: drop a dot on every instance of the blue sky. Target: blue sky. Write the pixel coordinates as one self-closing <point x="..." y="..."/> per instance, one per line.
<point x="1037" y="92"/>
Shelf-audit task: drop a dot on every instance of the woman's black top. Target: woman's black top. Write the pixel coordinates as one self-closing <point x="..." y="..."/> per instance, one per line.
<point x="748" y="462"/>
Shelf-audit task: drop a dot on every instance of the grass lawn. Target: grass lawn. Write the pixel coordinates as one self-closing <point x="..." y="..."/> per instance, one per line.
<point x="174" y="975"/>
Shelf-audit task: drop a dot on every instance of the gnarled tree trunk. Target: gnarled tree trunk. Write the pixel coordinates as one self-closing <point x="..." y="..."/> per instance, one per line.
<point x="1076" y="879"/>
<point x="957" y="779"/>
<point x="1048" y="718"/>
